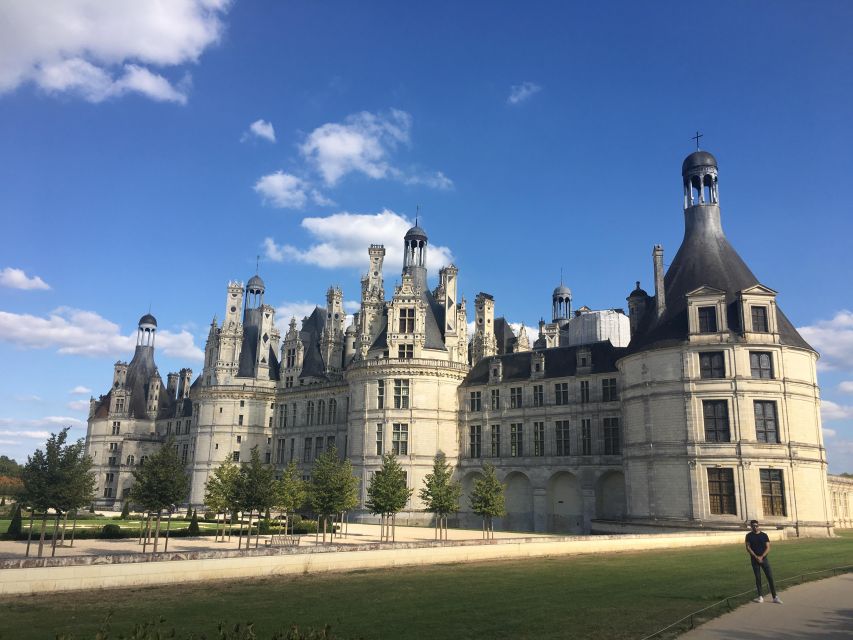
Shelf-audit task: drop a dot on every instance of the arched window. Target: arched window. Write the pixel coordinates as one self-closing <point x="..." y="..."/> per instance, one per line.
<point x="130" y="461"/>
<point x="321" y="412"/>
<point x="142" y="460"/>
<point x="309" y="412"/>
<point x="333" y="411"/>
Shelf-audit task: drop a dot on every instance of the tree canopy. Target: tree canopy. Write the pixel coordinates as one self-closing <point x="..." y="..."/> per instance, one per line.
<point x="256" y="485"/>
<point x="440" y="493"/>
<point x="221" y="489"/>
<point x="487" y="498"/>
<point x="333" y="488"/>
<point x="161" y="481"/>
<point x="387" y="492"/>
<point x="60" y="477"/>
<point x="290" y="491"/>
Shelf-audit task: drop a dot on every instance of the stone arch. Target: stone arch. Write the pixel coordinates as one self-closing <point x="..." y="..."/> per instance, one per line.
<point x="519" y="502"/>
<point x="565" y="503"/>
<point x="466" y="517"/>
<point x="610" y="496"/>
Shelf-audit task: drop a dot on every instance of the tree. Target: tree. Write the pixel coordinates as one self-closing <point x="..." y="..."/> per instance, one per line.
<point x="11" y="486"/>
<point x="487" y="499"/>
<point x="333" y="488"/>
<point x="8" y="467"/>
<point x="160" y="484"/>
<point x="387" y="494"/>
<point x="290" y="492"/>
<point x="15" y="525"/>
<point x="193" y="529"/>
<point x="256" y="491"/>
<point x="440" y="493"/>
<point x="221" y="492"/>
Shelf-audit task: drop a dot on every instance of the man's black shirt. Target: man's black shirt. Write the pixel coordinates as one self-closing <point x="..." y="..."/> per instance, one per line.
<point x="757" y="542"/>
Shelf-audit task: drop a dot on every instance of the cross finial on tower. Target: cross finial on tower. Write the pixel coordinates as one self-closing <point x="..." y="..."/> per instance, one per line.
<point x="417" y="214"/>
<point x="696" y="138"/>
<point x="257" y="263"/>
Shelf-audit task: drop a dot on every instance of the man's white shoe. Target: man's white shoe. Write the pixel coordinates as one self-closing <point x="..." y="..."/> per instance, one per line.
<point x="777" y="600"/>
<point x="759" y="599"/>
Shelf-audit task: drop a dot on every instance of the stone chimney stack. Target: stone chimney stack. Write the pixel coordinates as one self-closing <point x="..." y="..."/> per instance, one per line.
<point x="660" y="296"/>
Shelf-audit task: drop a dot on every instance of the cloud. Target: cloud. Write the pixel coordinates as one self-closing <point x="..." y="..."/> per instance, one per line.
<point x="78" y="332"/>
<point x="80" y="389"/>
<point x="352" y="306"/>
<point x="287" y="310"/>
<point x="282" y="190"/>
<point x="103" y="50"/>
<point x="846" y="386"/>
<point x="78" y="405"/>
<point x="830" y="410"/>
<point x="833" y="339"/>
<point x="17" y="279"/>
<point x="342" y="239"/>
<point x="532" y="334"/>
<point x="29" y="398"/>
<point x="522" y="92"/>
<point x="260" y="129"/>
<point x="435" y="180"/>
<point x="829" y="433"/>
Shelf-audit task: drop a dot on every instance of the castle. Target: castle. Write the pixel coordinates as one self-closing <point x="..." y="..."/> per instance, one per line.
<point x="699" y="408"/>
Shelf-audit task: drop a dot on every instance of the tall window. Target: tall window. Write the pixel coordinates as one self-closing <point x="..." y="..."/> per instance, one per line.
<point x="330" y="442"/>
<point x="496" y="399"/>
<point x="185" y="453"/>
<point x="400" y="440"/>
<point x="306" y="455"/>
<point x="772" y="492"/>
<point x="759" y="319"/>
<point x="119" y="405"/>
<point x="711" y="365"/>
<point x="586" y="437"/>
<point x="766" y="429"/>
<point x="318" y="447"/>
<point x="130" y="461"/>
<point x="116" y="428"/>
<point x="239" y="422"/>
<point x="401" y="394"/>
<point x="380" y="444"/>
<point x="716" y="414"/>
<point x="476" y="402"/>
<point x="279" y="451"/>
<point x="496" y="441"/>
<point x="516" y="437"/>
<point x="309" y="412"/>
<point x="538" y="438"/>
<point x="515" y="397"/>
<point x="562" y="429"/>
<point x="707" y="319"/>
<point x="538" y="395"/>
<point x="761" y="364"/>
<point x="584" y="390"/>
<point x="608" y="390"/>
<point x="476" y="432"/>
<point x="721" y="491"/>
<point x="291" y="450"/>
<point x="380" y="394"/>
<point x="321" y="412"/>
<point x="235" y="456"/>
<point x="612" y="439"/>
<point x="290" y="359"/>
<point x="333" y="411"/>
<point x="407" y="320"/>
<point x="561" y="393"/>
<point x="406" y="351"/>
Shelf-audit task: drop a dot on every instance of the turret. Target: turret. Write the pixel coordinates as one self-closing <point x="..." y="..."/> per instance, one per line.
<point x="414" y="256"/>
<point x="146" y="331"/>
<point x="561" y="304"/>
<point x="484" y="343"/>
<point x="331" y="343"/>
<point x="172" y="385"/>
<point x="638" y="302"/>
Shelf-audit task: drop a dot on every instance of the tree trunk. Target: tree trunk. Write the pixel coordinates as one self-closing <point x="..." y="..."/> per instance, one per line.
<point x="64" y="523"/>
<point x="157" y="532"/>
<point x="73" y="528"/>
<point x="30" y="534"/>
<point x="240" y="531"/>
<point x="53" y="537"/>
<point x="145" y="533"/>
<point x="168" y="526"/>
<point x="41" y="536"/>
<point x="230" y="525"/>
<point x="325" y="522"/>
<point x="140" y="533"/>
<point x="394" y="528"/>
<point x="258" y="534"/>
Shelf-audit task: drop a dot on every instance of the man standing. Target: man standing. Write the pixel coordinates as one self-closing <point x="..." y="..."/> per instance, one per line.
<point x="758" y="546"/>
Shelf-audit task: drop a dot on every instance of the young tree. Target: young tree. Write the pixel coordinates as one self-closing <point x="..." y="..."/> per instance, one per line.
<point x="256" y="491"/>
<point x="193" y="529"/>
<point x="387" y="495"/>
<point x="290" y="493"/>
<point x="333" y="487"/>
<point x="15" y="525"/>
<point x="487" y="499"/>
<point x="159" y="484"/>
<point x="440" y="494"/>
<point x="125" y="510"/>
<point x="221" y="493"/>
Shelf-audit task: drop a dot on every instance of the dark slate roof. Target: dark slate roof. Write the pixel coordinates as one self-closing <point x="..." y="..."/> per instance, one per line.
<point x="255" y="282"/>
<point x="148" y="319"/>
<point x="504" y="335"/>
<point x="140" y="371"/>
<point x="312" y="331"/>
<point x="697" y="159"/>
<point x="705" y="258"/>
<point x="563" y="291"/>
<point x="416" y="232"/>
<point x="560" y="362"/>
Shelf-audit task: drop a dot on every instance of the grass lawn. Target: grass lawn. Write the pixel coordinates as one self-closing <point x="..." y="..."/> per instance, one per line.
<point x="623" y="595"/>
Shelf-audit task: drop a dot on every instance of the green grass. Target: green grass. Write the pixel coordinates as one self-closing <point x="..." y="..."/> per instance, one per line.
<point x="622" y="595"/>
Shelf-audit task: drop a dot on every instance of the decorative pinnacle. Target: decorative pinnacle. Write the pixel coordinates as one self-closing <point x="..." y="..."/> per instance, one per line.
<point x="696" y="138"/>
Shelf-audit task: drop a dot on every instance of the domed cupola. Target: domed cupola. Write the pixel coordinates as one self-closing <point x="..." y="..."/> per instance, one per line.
<point x="561" y="303"/>
<point x="699" y="172"/>
<point x="146" y="331"/>
<point x="255" y="292"/>
<point x="414" y="255"/>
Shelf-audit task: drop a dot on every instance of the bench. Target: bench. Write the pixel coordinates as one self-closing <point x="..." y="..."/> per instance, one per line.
<point x="278" y="540"/>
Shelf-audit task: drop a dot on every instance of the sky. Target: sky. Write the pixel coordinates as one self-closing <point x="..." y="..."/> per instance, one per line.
<point x="152" y="152"/>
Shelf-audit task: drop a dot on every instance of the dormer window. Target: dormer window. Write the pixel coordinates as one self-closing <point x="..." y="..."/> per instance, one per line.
<point x="407" y="320"/>
<point x="759" y="319"/>
<point x="707" y="319"/>
<point x="406" y="351"/>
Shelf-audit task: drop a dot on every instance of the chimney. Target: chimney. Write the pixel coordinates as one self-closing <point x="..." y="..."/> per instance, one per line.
<point x="660" y="296"/>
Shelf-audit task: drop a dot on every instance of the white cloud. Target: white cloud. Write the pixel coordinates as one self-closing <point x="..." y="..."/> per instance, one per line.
<point x="17" y="279"/>
<point x="435" y="180"/>
<point x="100" y="50"/>
<point x="78" y="405"/>
<point x="287" y="310"/>
<point x="352" y="306"/>
<point x="282" y="190"/>
<point x="342" y="239"/>
<point x="260" y="129"/>
<point x="829" y="433"/>
<point x="78" y="332"/>
<point x="521" y="92"/>
<point x="830" y="410"/>
<point x="81" y="390"/>
<point x="846" y="386"/>
<point x="29" y="398"/>
<point x="833" y="339"/>
<point x="532" y="334"/>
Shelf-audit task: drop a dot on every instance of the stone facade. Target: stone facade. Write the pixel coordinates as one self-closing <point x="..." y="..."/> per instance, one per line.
<point x="700" y="408"/>
<point x="841" y="492"/>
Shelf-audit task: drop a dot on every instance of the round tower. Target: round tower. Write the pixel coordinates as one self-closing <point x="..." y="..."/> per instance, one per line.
<point x="146" y="331"/>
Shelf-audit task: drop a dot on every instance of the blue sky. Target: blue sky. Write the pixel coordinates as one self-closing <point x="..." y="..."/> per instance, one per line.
<point x="148" y="158"/>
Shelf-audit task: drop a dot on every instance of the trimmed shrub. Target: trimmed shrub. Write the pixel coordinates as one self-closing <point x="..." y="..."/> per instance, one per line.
<point x="189" y="515"/>
<point x="193" y="529"/>
<point x="15" y="525"/>
<point x="125" y="510"/>
<point x="264" y="526"/>
<point x="111" y="531"/>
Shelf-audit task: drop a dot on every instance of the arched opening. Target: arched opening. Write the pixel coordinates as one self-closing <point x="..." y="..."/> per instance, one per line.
<point x="565" y="503"/>
<point x="610" y="496"/>
<point x="519" y="503"/>
<point x="466" y="517"/>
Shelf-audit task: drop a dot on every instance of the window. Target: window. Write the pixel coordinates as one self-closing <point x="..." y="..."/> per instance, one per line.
<point x="401" y="394"/>
<point x="538" y="438"/>
<point x="586" y="437"/>
<point x="240" y="419"/>
<point x="761" y="364"/>
<point x="321" y="412"/>
<point x="612" y="440"/>
<point x="538" y="395"/>
<point x="267" y="457"/>
<point x="400" y="440"/>
<point x="476" y="433"/>
<point x="113" y="446"/>
<point x="318" y="447"/>
<point x="380" y="394"/>
<point x="475" y="402"/>
<point x="711" y="365"/>
<point x="270" y="423"/>
<point x="306" y="454"/>
<point x="110" y="477"/>
<point x="561" y="393"/>
<point x="242" y="403"/>
<point x="108" y="492"/>
<point x="380" y="447"/>
<point x="716" y="413"/>
<point x="185" y="453"/>
<point x="292" y="452"/>
<point x="333" y="411"/>
<point x="116" y="428"/>
<point x="330" y="442"/>
<point x="766" y="429"/>
<point x="515" y="397"/>
<point x="235" y="456"/>
<point x="496" y="441"/>
<point x="406" y="351"/>
<point x="130" y="461"/>
<point x="279" y="451"/>
<point x="721" y="491"/>
<point x="113" y="461"/>
<point x="407" y="320"/>
<point x="608" y="390"/>
<point x="516" y="447"/>
<point x="290" y="359"/>
<point x="239" y="439"/>
<point x="562" y="429"/>
<point x="584" y="390"/>
<point x="759" y="319"/>
<point x="309" y="412"/>
<point x="496" y="399"/>
<point x="119" y="405"/>
<point x="707" y="319"/>
<point x="772" y="492"/>
<point x="288" y="382"/>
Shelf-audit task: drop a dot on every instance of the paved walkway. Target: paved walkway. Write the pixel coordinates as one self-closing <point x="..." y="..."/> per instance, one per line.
<point x="821" y="609"/>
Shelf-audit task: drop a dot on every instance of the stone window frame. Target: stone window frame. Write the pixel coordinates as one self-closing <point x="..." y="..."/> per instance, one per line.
<point x="475" y="441"/>
<point x="538" y="395"/>
<point x="561" y="393"/>
<point x="402" y="393"/>
<point x="721" y="487"/>
<point x="708" y="368"/>
<point x="762" y="432"/>
<point x="516" y="440"/>
<point x="716" y="403"/>
<point x="495" y="399"/>
<point x="539" y="439"/>
<point x="773" y="492"/>
<point x="516" y="397"/>
<point x="400" y="438"/>
<point x="757" y="366"/>
<point x="609" y="390"/>
<point x="562" y="434"/>
<point x="612" y="430"/>
<point x="495" y="440"/>
<point x="475" y="401"/>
